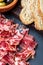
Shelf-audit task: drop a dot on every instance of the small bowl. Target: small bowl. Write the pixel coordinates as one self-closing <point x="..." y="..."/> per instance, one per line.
<point x="8" y="7"/>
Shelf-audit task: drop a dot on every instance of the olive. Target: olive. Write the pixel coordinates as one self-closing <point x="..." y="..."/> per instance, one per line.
<point x="8" y="1"/>
<point x="1" y="0"/>
<point x="2" y="4"/>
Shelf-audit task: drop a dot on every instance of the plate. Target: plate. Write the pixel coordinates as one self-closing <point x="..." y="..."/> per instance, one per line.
<point x="38" y="60"/>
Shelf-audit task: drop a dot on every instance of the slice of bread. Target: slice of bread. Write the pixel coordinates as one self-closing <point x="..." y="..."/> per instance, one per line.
<point x="38" y="16"/>
<point x="26" y="16"/>
<point x="32" y="12"/>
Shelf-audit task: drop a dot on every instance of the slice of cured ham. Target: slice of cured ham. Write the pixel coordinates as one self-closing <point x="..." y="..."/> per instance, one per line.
<point x="11" y="37"/>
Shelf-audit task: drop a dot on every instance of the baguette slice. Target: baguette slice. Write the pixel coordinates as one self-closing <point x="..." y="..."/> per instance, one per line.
<point x="38" y="16"/>
<point x="32" y="11"/>
<point x="26" y="16"/>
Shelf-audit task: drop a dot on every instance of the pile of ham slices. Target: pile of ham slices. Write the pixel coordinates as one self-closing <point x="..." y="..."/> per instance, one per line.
<point x="16" y="45"/>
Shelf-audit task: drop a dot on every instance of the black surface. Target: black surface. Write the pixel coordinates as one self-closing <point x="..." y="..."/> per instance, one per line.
<point x="38" y="60"/>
